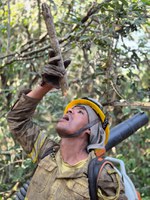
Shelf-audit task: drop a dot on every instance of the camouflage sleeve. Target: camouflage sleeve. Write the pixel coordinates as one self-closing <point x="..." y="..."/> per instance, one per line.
<point x="110" y="185"/>
<point x="25" y="131"/>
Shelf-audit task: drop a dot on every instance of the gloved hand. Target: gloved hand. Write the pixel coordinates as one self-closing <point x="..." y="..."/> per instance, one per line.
<point x="52" y="73"/>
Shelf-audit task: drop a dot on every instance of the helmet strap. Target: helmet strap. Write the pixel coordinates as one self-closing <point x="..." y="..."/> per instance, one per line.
<point x="89" y="125"/>
<point x="105" y="123"/>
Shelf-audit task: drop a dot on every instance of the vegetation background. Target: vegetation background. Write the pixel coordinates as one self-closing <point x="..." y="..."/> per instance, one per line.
<point x="108" y="42"/>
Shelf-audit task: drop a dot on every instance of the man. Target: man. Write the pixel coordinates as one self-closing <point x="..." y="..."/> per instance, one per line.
<point x="62" y="168"/>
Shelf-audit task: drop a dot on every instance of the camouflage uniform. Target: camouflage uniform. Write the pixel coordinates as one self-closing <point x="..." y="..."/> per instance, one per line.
<point x="49" y="181"/>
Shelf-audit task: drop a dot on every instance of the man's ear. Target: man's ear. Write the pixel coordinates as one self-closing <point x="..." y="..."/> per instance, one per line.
<point x="88" y="131"/>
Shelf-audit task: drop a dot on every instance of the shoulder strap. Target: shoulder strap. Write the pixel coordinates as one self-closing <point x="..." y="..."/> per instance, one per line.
<point x="94" y="169"/>
<point x="50" y="151"/>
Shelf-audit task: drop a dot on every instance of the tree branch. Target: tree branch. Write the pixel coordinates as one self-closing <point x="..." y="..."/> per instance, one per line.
<point x="39" y="16"/>
<point x="8" y="28"/>
<point x="93" y="9"/>
<point x="145" y="105"/>
<point x="20" y="59"/>
<point x="116" y="90"/>
<point x="54" y="43"/>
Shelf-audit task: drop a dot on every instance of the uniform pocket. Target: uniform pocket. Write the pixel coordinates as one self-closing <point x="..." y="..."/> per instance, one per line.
<point x="79" y="187"/>
<point x="43" y="174"/>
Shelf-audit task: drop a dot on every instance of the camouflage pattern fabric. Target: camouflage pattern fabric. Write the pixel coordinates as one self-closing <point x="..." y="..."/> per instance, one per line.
<point x="49" y="182"/>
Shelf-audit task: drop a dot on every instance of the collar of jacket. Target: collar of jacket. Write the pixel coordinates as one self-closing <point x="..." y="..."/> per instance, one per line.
<point x="74" y="172"/>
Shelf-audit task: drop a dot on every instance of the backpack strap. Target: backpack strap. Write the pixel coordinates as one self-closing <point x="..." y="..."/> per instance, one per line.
<point x="94" y="169"/>
<point x="50" y="151"/>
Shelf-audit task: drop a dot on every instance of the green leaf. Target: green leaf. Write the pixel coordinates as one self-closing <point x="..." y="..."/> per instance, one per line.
<point x="147" y="2"/>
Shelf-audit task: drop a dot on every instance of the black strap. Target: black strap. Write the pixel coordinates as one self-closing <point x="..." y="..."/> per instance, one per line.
<point x="93" y="171"/>
<point x="89" y="125"/>
<point x="105" y="123"/>
<point x="49" y="151"/>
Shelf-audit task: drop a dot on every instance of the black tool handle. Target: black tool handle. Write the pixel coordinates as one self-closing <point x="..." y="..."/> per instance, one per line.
<point x="126" y="128"/>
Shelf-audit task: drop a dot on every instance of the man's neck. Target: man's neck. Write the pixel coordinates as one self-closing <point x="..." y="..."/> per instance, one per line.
<point x="72" y="150"/>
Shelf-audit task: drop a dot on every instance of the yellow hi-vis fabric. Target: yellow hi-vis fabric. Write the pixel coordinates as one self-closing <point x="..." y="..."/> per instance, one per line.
<point x="66" y="167"/>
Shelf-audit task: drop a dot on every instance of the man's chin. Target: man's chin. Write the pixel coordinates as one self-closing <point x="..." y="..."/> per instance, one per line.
<point x="63" y="134"/>
<point x="60" y="131"/>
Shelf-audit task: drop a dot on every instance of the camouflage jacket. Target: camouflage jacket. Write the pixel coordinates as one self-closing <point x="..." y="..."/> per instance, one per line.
<point x="48" y="181"/>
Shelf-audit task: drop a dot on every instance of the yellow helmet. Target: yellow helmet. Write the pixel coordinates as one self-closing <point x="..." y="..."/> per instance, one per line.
<point x="97" y="107"/>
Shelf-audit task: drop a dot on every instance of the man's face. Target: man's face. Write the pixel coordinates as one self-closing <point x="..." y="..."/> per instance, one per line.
<point x="72" y="121"/>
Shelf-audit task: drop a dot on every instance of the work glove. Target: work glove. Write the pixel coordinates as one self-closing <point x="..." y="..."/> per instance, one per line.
<point x="52" y="73"/>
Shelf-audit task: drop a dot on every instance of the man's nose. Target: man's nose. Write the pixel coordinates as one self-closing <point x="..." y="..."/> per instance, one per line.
<point x="70" y="110"/>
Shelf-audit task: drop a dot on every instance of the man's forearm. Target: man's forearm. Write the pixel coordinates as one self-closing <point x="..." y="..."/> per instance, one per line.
<point x="40" y="91"/>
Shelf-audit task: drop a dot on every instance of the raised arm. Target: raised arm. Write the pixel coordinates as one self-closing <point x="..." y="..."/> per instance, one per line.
<point x="40" y="91"/>
<point x="27" y="133"/>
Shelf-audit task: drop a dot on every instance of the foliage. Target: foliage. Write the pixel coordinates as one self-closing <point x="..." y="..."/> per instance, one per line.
<point x="108" y="42"/>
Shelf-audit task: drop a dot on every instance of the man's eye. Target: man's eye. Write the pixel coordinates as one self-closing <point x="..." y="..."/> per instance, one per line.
<point x="80" y="111"/>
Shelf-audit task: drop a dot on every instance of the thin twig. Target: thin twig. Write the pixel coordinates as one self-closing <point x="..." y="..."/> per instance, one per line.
<point x="11" y="163"/>
<point x="93" y="9"/>
<point x="21" y="59"/>
<point x="116" y="90"/>
<point x="8" y="27"/>
<point x="145" y="105"/>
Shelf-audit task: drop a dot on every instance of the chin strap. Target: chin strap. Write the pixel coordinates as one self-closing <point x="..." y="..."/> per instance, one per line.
<point x="89" y="125"/>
